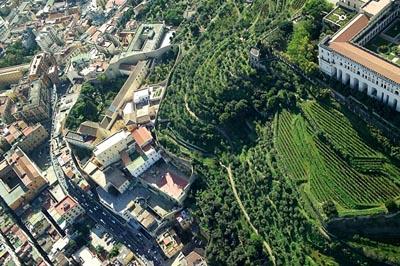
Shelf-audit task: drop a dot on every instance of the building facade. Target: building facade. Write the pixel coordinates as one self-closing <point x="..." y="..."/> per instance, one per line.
<point x="37" y="107"/>
<point x="344" y="56"/>
<point x="48" y="40"/>
<point x="21" y="180"/>
<point x="143" y="162"/>
<point x="44" y="66"/>
<point x="66" y="211"/>
<point x="108" y="151"/>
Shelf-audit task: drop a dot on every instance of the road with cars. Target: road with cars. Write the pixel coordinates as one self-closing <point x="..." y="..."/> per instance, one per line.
<point x="143" y="247"/>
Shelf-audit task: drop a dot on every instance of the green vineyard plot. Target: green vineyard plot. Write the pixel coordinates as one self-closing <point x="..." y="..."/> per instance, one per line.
<point x="304" y="157"/>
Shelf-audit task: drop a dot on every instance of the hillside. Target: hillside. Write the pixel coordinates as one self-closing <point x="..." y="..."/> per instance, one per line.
<point x="275" y="158"/>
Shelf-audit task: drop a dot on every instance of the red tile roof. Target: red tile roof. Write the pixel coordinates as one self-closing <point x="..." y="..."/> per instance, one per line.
<point x="342" y="45"/>
<point x="65" y="205"/>
<point x="352" y="29"/>
<point x="172" y="184"/>
<point x="367" y="59"/>
<point x="142" y="136"/>
<point x="26" y="131"/>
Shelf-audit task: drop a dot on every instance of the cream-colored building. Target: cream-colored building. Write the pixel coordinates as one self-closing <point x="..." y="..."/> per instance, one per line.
<point x="24" y="136"/>
<point x="109" y="150"/>
<point x="10" y="75"/>
<point x="66" y="211"/>
<point x="20" y="180"/>
<point x="344" y="55"/>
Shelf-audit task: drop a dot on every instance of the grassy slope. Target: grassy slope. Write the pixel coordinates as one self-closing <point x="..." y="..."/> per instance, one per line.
<point x="201" y="89"/>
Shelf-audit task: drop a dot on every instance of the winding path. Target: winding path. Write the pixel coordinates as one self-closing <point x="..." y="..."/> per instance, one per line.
<point x="246" y="215"/>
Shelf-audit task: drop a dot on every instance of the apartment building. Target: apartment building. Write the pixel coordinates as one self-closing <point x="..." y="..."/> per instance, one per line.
<point x="36" y="107"/>
<point x="48" y="40"/>
<point x="5" y="109"/>
<point x="44" y="66"/>
<point x="25" y="137"/>
<point x="66" y="211"/>
<point x="21" y="180"/>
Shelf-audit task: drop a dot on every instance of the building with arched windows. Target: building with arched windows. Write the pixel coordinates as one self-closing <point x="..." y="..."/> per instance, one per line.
<point x="355" y="56"/>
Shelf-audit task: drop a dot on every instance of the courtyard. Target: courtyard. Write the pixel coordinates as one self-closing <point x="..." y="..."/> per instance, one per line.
<point x="340" y="16"/>
<point x="385" y="48"/>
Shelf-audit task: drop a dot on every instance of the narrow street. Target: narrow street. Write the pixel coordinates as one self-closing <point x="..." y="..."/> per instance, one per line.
<point x="144" y="246"/>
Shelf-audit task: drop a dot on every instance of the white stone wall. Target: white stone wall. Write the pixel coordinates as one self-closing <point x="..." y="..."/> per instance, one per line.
<point x="124" y="187"/>
<point x="360" y="77"/>
<point x="375" y="28"/>
<point x="152" y="158"/>
<point x="354" y="5"/>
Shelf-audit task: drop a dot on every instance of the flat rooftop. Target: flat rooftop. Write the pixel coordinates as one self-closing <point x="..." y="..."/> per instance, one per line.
<point x="86" y="257"/>
<point x="167" y="179"/>
<point x="146" y="38"/>
<point x="374" y="7"/>
<point x="155" y="202"/>
<point x="110" y="175"/>
<point x="110" y="141"/>
<point x="65" y="205"/>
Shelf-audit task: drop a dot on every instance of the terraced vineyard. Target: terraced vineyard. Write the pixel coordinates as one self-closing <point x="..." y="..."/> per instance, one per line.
<point x="304" y="157"/>
<point x="297" y="4"/>
<point x="342" y="136"/>
<point x="293" y="153"/>
<point x="348" y="187"/>
<point x="338" y="130"/>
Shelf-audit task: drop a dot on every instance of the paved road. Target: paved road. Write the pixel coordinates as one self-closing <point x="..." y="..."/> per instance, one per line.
<point x="127" y="235"/>
<point x="145" y="248"/>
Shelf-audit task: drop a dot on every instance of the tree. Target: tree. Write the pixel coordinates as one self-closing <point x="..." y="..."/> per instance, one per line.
<point x="99" y="249"/>
<point x="114" y="251"/>
<point x="5" y="11"/>
<point x="391" y="205"/>
<point x="300" y="49"/>
<point x="330" y="209"/>
<point x="316" y="8"/>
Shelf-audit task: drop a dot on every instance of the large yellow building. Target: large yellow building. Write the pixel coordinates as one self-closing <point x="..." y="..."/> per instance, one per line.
<point x="10" y="75"/>
<point x="20" y="179"/>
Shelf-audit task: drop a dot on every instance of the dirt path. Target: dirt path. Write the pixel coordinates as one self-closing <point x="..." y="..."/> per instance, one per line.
<point x="191" y="113"/>
<point x="246" y="215"/>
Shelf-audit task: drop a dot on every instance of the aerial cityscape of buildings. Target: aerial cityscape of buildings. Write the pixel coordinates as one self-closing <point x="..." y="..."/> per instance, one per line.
<point x="120" y="203"/>
<point x="96" y="186"/>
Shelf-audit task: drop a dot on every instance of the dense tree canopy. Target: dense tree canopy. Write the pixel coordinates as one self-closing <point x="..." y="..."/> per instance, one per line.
<point x="94" y="98"/>
<point x="16" y="54"/>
